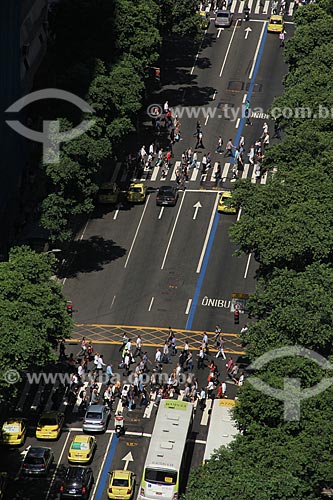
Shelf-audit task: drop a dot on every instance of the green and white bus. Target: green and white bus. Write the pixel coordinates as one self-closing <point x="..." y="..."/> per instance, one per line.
<point x="163" y="476"/>
<point x="222" y="428"/>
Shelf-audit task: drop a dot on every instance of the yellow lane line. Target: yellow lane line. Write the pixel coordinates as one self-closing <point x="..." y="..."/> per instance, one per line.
<point x="143" y="328"/>
<point x="115" y="342"/>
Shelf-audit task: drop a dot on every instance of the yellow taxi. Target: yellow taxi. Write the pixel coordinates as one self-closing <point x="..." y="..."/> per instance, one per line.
<point x="82" y="449"/>
<point x="49" y="425"/>
<point x="13" y="432"/>
<point x="275" y="24"/>
<point x="121" y="484"/>
<point x="225" y="204"/>
<point x="137" y="192"/>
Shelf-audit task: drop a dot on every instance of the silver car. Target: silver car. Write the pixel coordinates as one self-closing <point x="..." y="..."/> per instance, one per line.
<point x="223" y="19"/>
<point x="96" y="419"/>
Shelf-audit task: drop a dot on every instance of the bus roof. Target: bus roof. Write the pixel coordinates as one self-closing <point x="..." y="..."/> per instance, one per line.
<point x="222" y="428"/>
<point x="169" y="436"/>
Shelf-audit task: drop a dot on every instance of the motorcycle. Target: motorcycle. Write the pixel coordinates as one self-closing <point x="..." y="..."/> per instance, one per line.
<point x="119" y="424"/>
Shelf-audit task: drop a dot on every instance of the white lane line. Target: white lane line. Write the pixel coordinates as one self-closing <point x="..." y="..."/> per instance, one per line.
<point x="237" y="122"/>
<point x="137" y="231"/>
<point x="175" y="168"/>
<point x="154" y="174"/>
<point x="244" y="98"/>
<point x="225" y="171"/>
<point x="266" y="7"/>
<point x="102" y="465"/>
<point x="257" y="50"/>
<point x="149" y="409"/>
<point x="239" y="214"/>
<point x="161" y="213"/>
<point x="207" y="118"/>
<point x="228" y="49"/>
<point x="263" y="179"/>
<point x="219" y="32"/>
<point x="151" y="303"/>
<point x="116" y="172"/>
<point x="196" y="57"/>
<point x="245" y="170"/>
<point x="188" y="307"/>
<point x="214" y="95"/>
<point x="257" y="9"/>
<point x="57" y="466"/>
<point x="205" y="414"/>
<point x="84" y="230"/>
<point x="247" y="266"/>
<point x="203" y="251"/>
<point x="114" y="298"/>
<point x="249" y="4"/>
<point x="199" y="441"/>
<point x="173" y="230"/>
<point x="116" y="214"/>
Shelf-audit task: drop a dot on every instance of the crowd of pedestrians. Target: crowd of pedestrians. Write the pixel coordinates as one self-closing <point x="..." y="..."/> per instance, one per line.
<point x="172" y="371"/>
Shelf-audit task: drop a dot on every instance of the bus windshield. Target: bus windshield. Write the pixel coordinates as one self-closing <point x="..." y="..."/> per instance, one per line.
<point x="166" y="477"/>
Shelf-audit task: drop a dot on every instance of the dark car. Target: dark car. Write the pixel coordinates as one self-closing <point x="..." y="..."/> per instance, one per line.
<point x="77" y="483"/>
<point x="223" y="19"/>
<point x="167" y="195"/>
<point x="37" y="461"/>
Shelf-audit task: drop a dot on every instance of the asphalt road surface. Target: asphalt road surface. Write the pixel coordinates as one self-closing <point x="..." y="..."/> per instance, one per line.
<point x="143" y="268"/>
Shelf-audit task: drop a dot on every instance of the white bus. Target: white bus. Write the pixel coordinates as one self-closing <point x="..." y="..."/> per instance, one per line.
<point x="163" y="476"/>
<point x="222" y="428"/>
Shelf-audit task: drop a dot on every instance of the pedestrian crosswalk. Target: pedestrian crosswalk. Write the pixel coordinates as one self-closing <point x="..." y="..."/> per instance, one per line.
<point x="258" y="7"/>
<point x="228" y="174"/>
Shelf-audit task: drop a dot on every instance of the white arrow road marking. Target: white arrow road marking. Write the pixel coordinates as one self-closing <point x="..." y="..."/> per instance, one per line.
<point x="128" y="458"/>
<point x="247" y="31"/>
<point x="196" y="206"/>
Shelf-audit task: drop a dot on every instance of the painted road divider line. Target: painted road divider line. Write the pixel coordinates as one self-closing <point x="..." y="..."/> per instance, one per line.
<point x="257" y="52"/>
<point x="173" y="230"/>
<point x="99" y="490"/>
<point x="57" y="466"/>
<point x="203" y="251"/>
<point x="247" y="266"/>
<point x="137" y="231"/>
<point x="228" y="49"/>
<point x="188" y="307"/>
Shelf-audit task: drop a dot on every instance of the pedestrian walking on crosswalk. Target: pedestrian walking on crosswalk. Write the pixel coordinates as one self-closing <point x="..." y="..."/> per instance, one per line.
<point x="228" y="149"/>
<point x="219" y="149"/>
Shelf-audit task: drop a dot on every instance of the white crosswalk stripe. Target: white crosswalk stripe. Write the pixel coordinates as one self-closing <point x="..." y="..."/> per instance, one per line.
<point x="257" y="6"/>
<point x="225" y="171"/>
<point x="195" y="174"/>
<point x="174" y="172"/>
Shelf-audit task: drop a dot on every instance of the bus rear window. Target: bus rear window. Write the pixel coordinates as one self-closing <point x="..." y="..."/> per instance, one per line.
<point x="166" y="477"/>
